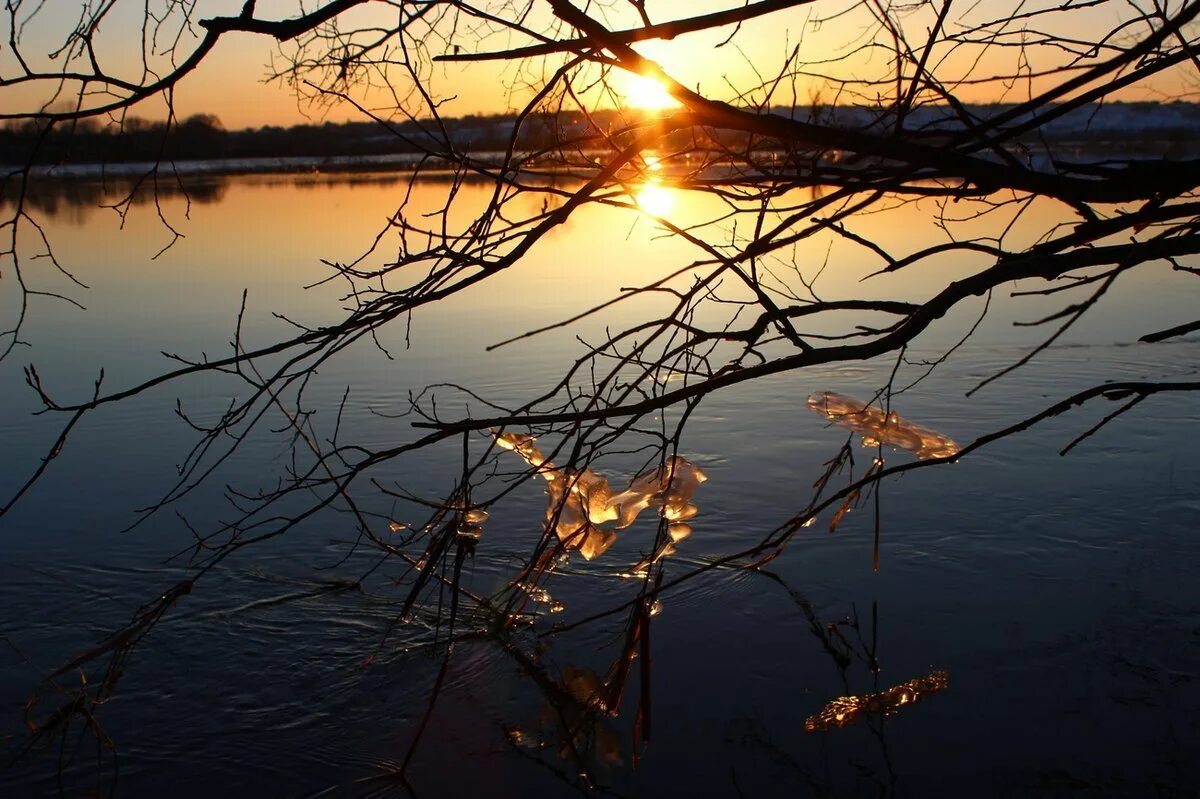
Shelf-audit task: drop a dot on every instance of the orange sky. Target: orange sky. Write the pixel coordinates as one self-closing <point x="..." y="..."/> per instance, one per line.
<point x="231" y="84"/>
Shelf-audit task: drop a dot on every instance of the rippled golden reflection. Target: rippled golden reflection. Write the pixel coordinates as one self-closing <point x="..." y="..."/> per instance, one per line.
<point x="579" y="502"/>
<point x="846" y="710"/>
<point x="877" y="426"/>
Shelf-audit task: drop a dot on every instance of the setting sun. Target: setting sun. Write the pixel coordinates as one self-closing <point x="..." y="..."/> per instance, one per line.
<point x="654" y="198"/>
<point x="640" y="91"/>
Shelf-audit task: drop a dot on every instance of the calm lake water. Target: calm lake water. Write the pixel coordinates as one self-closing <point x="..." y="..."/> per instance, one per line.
<point x="1057" y="593"/>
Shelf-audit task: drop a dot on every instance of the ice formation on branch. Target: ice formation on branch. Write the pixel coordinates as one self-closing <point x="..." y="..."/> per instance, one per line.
<point x="579" y="502"/>
<point x="877" y="426"/>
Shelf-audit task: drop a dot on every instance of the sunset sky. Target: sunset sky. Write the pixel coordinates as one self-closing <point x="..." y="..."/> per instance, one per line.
<point x="231" y="82"/>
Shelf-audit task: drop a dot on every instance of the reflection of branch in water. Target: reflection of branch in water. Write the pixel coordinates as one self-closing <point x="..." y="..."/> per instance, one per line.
<point x="843" y="652"/>
<point x="578" y="724"/>
<point x="75" y="199"/>
<point x="571" y="721"/>
<point x="846" y="710"/>
<point x="877" y="426"/>
<point x="832" y="641"/>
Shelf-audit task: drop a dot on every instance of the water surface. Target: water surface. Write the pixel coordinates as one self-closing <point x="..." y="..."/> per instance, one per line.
<point x="1057" y="593"/>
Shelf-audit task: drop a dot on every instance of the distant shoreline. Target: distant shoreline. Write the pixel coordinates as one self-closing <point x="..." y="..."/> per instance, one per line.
<point x="1088" y="150"/>
<point x="200" y="167"/>
<point x="199" y="146"/>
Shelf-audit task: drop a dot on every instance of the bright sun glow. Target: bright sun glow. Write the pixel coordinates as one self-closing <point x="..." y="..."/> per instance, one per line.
<point x="654" y="198"/>
<point x="646" y="93"/>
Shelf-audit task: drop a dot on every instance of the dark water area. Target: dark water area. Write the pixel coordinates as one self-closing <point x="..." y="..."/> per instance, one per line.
<point x="1033" y="627"/>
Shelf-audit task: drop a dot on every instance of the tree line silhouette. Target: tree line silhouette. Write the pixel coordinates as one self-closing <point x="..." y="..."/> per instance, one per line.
<point x="1165" y="127"/>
